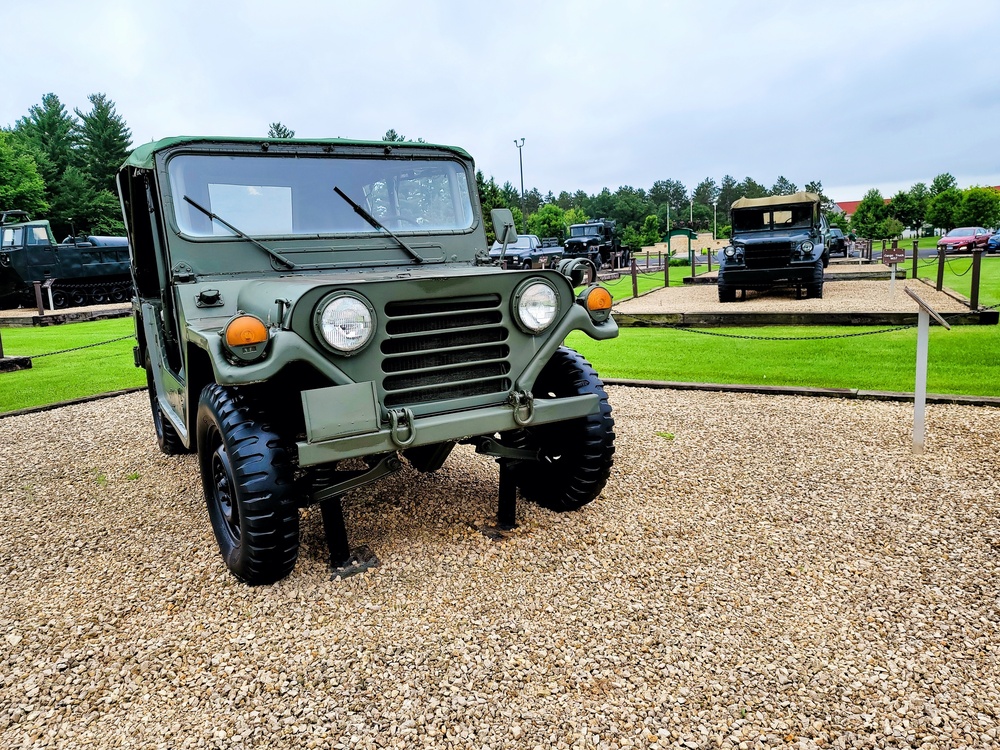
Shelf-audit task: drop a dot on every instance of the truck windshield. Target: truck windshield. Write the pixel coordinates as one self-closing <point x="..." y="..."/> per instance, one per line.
<point x="293" y="195"/>
<point x="584" y="230"/>
<point x="767" y="219"/>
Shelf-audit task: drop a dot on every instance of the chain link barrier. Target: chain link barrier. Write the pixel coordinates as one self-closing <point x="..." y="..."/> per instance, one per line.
<point x="703" y="332"/>
<point x="78" y="348"/>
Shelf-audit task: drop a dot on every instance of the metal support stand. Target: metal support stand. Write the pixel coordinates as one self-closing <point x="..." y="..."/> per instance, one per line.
<point x="506" y="506"/>
<point x="344" y="562"/>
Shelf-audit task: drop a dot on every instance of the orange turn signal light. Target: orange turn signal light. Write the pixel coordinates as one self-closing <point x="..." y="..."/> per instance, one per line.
<point x="599" y="299"/>
<point x="245" y="330"/>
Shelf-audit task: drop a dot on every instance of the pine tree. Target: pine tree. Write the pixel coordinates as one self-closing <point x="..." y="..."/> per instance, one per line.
<point x="105" y="142"/>
<point x="277" y="130"/>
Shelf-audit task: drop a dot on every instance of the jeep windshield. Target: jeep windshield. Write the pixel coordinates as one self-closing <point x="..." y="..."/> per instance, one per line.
<point x="772" y="218"/>
<point x="292" y="196"/>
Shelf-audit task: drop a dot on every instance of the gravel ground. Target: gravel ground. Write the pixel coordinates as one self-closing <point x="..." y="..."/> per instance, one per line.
<point x="838" y="296"/>
<point x="759" y="572"/>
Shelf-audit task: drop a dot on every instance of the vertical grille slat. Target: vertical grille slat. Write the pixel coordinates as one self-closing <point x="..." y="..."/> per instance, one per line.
<point x="445" y="350"/>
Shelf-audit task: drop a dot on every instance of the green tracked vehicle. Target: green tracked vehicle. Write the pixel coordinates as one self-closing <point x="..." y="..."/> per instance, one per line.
<point x="312" y="313"/>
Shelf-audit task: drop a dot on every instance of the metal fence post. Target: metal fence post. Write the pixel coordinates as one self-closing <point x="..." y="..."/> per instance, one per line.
<point x="915" y="244"/>
<point x="708" y="254"/>
<point x="666" y="271"/>
<point x="977" y="261"/>
<point x="693" y="261"/>
<point x="940" y="276"/>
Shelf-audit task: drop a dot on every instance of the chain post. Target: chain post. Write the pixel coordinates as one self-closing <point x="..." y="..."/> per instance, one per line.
<point x="38" y="298"/>
<point x="977" y="261"/>
<point x="940" y="274"/>
<point x="916" y="243"/>
<point x="635" y="279"/>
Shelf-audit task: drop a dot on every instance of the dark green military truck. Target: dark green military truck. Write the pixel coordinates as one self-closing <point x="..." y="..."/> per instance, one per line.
<point x="311" y="313"/>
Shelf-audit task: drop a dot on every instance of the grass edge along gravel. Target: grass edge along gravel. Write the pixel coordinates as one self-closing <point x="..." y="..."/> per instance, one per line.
<point x="963" y="361"/>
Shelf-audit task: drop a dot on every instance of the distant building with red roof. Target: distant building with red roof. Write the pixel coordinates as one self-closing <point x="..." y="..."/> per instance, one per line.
<point x="849" y="207"/>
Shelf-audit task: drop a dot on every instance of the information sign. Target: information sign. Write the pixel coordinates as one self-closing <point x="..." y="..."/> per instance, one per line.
<point x="894" y="256"/>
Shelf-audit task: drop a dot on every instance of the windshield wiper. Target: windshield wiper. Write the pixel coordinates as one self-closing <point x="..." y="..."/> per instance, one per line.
<point x="375" y="223"/>
<point x="242" y="235"/>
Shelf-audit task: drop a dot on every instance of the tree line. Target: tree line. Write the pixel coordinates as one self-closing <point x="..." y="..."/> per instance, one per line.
<point x="942" y="205"/>
<point x="61" y="165"/>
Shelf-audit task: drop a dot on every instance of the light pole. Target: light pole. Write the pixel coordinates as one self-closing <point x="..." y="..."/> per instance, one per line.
<point x="520" y="162"/>
<point x="691" y="215"/>
<point x="715" y="220"/>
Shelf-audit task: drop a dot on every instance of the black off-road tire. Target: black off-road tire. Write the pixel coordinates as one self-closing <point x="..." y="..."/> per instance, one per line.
<point x="167" y="438"/>
<point x="576" y="455"/>
<point x="247" y="476"/>
<point x="815" y="289"/>
<point x="726" y="294"/>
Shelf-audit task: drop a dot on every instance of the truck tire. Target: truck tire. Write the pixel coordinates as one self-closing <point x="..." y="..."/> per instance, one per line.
<point x="575" y="456"/>
<point x="247" y="477"/>
<point x="167" y="438"/>
<point x="815" y="289"/>
<point x="726" y="294"/>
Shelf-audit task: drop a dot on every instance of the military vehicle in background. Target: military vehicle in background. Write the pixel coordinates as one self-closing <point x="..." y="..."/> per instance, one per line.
<point x="597" y="241"/>
<point x="312" y="313"/>
<point x="529" y="252"/>
<point x="777" y="241"/>
<point x="86" y="270"/>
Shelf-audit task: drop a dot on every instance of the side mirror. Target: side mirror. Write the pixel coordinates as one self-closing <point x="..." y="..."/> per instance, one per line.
<point x="503" y="225"/>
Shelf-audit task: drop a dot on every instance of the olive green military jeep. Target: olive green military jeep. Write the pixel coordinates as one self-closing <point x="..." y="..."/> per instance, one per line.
<point x="310" y="313"/>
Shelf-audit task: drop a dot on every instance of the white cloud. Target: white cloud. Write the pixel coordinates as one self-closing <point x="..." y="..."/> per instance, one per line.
<point x="857" y="95"/>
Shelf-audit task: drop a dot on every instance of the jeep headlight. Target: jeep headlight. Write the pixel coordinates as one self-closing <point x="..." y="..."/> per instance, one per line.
<point x="730" y="252"/>
<point x="535" y="306"/>
<point x="346" y="322"/>
<point x="806" y="247"/>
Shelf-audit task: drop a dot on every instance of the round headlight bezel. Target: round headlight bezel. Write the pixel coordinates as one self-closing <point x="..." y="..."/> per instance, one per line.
<point x="806" y="247"/>
<point x="342" y="299"/>
<point x="524" y="295"/>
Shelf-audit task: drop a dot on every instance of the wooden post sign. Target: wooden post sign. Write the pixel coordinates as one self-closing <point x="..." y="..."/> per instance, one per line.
<point x="893" y="257"/>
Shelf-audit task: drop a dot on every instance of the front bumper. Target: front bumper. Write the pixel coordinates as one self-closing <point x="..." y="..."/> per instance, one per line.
<point x="364" y="435"/>
<point x="749" y="278"/>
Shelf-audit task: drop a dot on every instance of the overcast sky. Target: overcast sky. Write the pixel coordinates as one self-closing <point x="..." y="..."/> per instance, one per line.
<point x="854" y="94"/>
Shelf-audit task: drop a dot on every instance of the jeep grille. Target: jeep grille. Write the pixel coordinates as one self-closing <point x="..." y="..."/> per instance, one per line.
<point x="444" y="349"/>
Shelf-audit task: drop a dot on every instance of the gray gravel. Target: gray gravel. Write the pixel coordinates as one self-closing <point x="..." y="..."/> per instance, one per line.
<point x="838" y="296"/>
<point x="759" y="572"/>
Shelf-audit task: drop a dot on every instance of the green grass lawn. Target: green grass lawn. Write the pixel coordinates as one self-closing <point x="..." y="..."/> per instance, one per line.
<point x="60" y="377"/>
<point x="965" y="360"/>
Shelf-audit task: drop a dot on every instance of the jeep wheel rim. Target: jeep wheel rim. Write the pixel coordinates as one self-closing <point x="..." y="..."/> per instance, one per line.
<point x="222" y="491"/>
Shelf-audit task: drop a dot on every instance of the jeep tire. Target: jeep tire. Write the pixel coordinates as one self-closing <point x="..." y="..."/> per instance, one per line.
<point x="576" y="455"/>
<point x="247" y="474"/>
<point x="726" y="293"/>
<point x="167" y="438"/>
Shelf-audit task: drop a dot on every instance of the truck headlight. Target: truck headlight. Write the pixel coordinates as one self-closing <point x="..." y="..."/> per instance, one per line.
<point x="806" y="247"/>
<point x="346" y="322"/>
<point x="535" y="306"/>
<point x="730" y="252"/>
